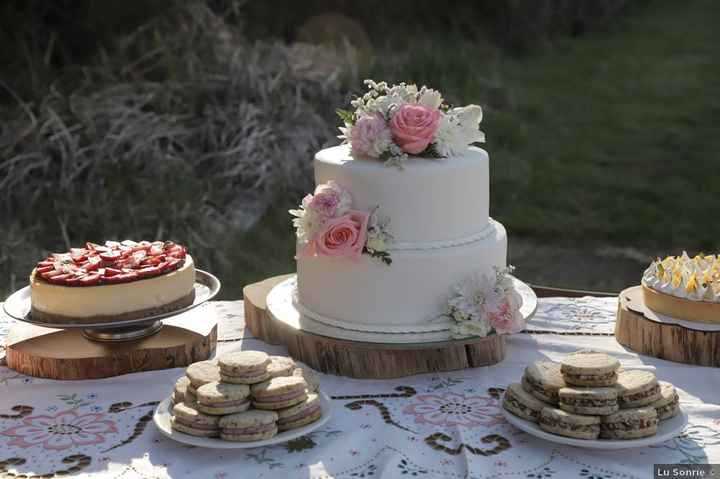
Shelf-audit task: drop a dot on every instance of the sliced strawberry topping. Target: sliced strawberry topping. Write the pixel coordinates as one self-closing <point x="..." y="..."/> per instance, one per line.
<point x="111" y="255"/>
<point x="90" y="279"/>
<point x="76" y="280"/>
<point x="96" y="247"/>
<point x="149" y="271"/>
<point x="120" y="278"/>
<point x="93" y="263"/>
<point x="60" y="278"/>
<point x="153" y="260"/>
<point x="111" y="272"/>
<point x="115" y="262"/>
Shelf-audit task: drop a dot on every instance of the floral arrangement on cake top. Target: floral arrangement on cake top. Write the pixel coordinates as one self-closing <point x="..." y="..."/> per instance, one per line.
<point x="482" y="305"/>
<point x="326" y="225"/>
<point x="392" y="122"/>
<point x="696" y="278"/>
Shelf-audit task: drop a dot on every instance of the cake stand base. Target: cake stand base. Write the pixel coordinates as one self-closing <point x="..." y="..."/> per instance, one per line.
<point x="364" y="360"/>
<point x="68" y="354"/>
<point x="649" y="333"/>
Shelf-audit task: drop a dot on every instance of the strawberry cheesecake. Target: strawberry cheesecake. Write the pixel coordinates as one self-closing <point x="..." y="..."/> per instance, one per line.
<point x="117" y="281"/>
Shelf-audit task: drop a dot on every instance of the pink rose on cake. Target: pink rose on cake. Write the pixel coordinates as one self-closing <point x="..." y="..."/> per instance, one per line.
<point x="326" y="225"/>
<point x="343" y="236"/>
<point x="413" y="127"/>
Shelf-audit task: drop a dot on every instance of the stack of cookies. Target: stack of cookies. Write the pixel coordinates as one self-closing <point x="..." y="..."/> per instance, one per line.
<point x="245" y="396"/>
<point x="588" y="395"/>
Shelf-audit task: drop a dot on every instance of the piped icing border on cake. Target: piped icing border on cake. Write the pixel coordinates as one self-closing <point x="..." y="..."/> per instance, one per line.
<point x="483" y="234"/>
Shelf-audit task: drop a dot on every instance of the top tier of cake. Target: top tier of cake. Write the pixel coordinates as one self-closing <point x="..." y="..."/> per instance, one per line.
<point x="428" y="201"/>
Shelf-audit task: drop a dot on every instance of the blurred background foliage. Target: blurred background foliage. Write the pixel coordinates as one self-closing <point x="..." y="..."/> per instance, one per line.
<point x="197" y="121"/>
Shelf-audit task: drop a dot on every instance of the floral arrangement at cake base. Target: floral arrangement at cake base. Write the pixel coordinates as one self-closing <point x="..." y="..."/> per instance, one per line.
<point x="480" y="306"/>
<point x="326" y="225"/>
<point x="392" y="122"/>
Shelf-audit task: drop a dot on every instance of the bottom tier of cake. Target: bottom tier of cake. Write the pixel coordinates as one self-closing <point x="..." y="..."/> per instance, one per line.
<point x="410" y="295"/>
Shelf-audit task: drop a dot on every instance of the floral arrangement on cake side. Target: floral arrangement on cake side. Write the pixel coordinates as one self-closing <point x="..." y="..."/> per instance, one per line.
<point x="482" y="305"/>
<point x="327" y="225"/>
<point x="392" y="122"/>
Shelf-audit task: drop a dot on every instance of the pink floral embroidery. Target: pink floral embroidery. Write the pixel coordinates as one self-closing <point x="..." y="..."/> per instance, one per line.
<point x="62" y="431"/>
<point x="454" y="409"/>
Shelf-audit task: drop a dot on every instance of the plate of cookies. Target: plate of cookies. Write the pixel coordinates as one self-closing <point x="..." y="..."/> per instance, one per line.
<point x="242" y="400"/>
<point x="589" y="400"/>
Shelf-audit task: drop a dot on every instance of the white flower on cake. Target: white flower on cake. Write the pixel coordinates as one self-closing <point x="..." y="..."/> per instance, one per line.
<point x="326" y="225"/>
<point x="483" y="305"/>
<point x="430" y="98"/>
<point x="392" y="122"/>
<point x="459" y="128"/>
<point x="379" y="237"/>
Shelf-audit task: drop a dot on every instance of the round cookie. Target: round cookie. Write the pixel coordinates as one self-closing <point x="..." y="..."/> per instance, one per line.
<point x="223" y="398"/>
<point x="543" y="379"/>
<point x="279" y="393"/>
<point x="244" y="367"/>
<point x="191" y="421"/>
<point x="629" y="424"/>
<point x="637" y="388"/>
<point x="252" y="425"/>
<point x="521" y="403"/>
<point x="669" y="403"/>
<point x="280" y="366"/>
<point x="591" y="369"/>
<point x="180" y="390"/>
<point x="300" y="414"/>
<point x="563" y="423"/>
<point x="589" y="401"/>
<point x="309" y="375"/>
<point x="202" y="372"/>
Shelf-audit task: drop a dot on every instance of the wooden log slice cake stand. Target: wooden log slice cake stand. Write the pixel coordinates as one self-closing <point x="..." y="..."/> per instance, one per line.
<point x="363" y="360"/>
<point x="168" y="340"/>
<point x="68" y="355"/>
<point x="651" y="334"/>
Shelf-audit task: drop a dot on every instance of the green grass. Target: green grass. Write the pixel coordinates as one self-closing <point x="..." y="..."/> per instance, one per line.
<point x="610" y="137"/>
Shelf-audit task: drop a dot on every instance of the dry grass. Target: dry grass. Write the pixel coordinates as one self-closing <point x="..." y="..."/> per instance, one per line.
<point x="185" y="132"/>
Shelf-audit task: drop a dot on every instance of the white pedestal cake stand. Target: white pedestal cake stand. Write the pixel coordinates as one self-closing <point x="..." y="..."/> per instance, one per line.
<point x="272" y="316"/>
<point x="90" y="351"/>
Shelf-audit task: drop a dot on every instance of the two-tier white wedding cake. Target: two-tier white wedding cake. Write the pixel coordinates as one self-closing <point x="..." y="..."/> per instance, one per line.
<point x="397" y="238"/>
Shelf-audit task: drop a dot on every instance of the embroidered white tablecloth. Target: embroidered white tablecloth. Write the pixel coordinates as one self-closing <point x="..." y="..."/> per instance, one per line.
<point x="429" y="426"/>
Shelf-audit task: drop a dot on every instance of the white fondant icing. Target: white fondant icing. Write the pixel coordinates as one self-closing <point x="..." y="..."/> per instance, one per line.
<point x="410" y="293"/>
<point x="429" y="200"/>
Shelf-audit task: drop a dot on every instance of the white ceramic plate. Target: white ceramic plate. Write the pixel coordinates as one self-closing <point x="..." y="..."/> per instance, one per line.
<point x="667" y="429"/>
<point x="162" y="421"/>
